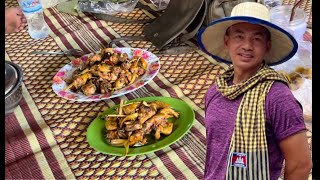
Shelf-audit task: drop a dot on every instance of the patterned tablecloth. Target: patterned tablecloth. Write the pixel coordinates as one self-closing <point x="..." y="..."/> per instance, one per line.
<point x="45" y="137"/>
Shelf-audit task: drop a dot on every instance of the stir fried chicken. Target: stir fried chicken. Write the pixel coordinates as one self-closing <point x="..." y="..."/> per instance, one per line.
<point x="136" y="120"/>
<point x="110" y="70"/>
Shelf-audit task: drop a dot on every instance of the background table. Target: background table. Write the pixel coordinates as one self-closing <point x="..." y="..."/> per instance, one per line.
<point x="45" y="137"/>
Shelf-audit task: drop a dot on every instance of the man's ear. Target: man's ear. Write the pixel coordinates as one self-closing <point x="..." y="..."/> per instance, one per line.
<point x="226" y="39"/>
<point x="268" y="46"/>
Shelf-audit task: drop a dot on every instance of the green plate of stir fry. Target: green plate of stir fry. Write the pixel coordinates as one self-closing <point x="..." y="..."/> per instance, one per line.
<point x="140" y="126"/>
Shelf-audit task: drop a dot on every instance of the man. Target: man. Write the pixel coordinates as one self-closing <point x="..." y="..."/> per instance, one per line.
<point x="253" y="122"/>
<point x="14" y="20"/>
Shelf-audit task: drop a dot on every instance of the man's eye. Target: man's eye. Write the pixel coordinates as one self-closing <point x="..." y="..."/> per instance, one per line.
<point x="258" y="39"/>
<point x="239" y="37"/>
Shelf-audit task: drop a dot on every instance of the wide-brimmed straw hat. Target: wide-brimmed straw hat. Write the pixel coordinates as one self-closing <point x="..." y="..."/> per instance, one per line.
<point x="211" y="38"/>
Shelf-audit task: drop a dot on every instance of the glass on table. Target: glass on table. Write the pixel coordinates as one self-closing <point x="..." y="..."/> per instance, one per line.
<point x="271" y="3"/>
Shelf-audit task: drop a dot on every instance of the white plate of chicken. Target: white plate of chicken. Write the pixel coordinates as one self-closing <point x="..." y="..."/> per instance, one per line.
<point x="140" y="126"/>
<point x="108" y="73"/>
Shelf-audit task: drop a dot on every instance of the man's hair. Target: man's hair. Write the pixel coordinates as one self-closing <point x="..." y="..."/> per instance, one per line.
<point x="265" y="29"/>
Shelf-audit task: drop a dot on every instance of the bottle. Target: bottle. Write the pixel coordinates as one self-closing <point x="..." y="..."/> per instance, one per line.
<point x="37" y="27"/>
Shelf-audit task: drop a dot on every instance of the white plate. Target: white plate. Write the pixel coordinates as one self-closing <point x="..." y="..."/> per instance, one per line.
<point x="66" y="72"/>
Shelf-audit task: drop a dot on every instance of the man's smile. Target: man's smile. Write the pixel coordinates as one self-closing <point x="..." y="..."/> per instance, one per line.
<point x="246" y="55"/>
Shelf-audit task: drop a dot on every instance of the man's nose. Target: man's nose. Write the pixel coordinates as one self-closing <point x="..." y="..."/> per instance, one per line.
<point x="248" y="44"/>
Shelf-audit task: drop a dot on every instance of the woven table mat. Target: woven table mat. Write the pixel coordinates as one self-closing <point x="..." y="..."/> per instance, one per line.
<point x="31" y="150"/>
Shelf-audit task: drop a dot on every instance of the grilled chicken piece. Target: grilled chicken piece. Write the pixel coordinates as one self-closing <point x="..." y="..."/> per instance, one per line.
<point x="111" y="123"/>
<point x="134" y="68"/>
<point x="126" y="74"/>
<point x="120" y="83"/>
<point x="142" y="63"/>
<point x="137" y="137"/>
<point x="116" y="70"/>
<point x="114" y="59"/>
<point x="148" y="126"/>
<point x="168" y="112"/>
<point x="89" y="88"/>
<point x="76" y="73"/>
<point x="123" y="76"/>
<point x="145" y="113"/>
<point x="164" y="129"/>
<point x="123" y="57"/>
<point x="103" y="67"/>
<point x="105" y="87"/>
<point x="141" y="71"/>
<point x="123" y="134"/>
<point x="112" y="135"/>
<point x="157" y="119"/>
<point x="126" y="65"/>
<point x="104" y="72"/>
<point x="94" y="70"/>
<point x="133" y="126"/>
<point x="93" y="59"/>
<point x="107" y="51"/>
<point x="81" y="80"/>
<point x="167" y="128"/>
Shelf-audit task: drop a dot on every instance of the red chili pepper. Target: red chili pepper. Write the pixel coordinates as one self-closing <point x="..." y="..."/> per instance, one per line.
<point x="109" y="62"/>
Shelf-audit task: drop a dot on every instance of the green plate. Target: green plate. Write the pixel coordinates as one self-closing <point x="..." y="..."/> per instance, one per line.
<point x="96" y="130"/>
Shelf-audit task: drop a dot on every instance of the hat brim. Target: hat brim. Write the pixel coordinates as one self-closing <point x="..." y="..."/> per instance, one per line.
<point x="211" y="40"/>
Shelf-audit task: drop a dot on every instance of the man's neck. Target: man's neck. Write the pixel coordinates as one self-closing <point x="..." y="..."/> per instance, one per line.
<point x="241" y="75"/>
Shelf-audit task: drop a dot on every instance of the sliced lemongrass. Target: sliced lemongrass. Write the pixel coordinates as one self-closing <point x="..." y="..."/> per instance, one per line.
<point x="120" y="107"/>
<point x="119" y="142"/>
<point x="116" y="115"/>
<point x="145" y="103"/>
<point x="84" y="71"/>
<point x="68" y="87"/>
<point x="129" y="103"/>
<point x="126" y="146"/>
<point x="128" y="118"/>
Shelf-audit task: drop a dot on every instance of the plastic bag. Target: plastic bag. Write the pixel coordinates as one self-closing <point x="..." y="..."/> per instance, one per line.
<point x="299" y="70"/>
<point x="48" y="3"/>
<point x="110" y="7"/>
<point x="304" y="96"/>
<point x="160" y="4"/>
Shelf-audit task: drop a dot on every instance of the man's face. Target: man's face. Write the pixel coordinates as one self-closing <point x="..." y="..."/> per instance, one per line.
<point x="247" y="45"/>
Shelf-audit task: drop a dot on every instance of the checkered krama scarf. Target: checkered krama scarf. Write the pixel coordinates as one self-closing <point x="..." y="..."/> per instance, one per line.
<point x="249" y="135"/>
